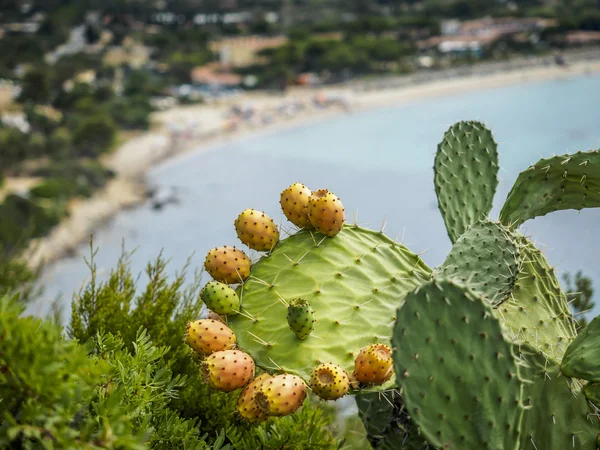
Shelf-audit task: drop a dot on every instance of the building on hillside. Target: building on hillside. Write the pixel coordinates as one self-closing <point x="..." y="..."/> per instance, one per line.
<point x="21" y="28"/>
<point x="473" y="36"/>
<point x="582" y="38"/>
<point x="215" y="76"/>
<point x="244" y="51"/>
<point x="495" y="26"/>
<point x="134" y="55"/>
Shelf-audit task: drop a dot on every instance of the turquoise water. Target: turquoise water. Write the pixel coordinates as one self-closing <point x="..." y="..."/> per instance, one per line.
<point x="378" y="162"/>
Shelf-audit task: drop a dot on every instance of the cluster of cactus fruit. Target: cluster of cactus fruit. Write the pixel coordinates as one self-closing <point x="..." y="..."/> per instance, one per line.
<point x="485" y="349"/>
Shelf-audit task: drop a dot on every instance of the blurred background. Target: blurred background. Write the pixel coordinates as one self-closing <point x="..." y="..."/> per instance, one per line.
<point x="144" y="127"/>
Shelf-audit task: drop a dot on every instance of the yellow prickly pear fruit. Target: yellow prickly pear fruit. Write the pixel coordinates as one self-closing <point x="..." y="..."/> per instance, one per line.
<point x="228" y="370"/>
<point x="207" y="336"/>
<point x="281" y="395"/>
<point x="294" y="203"/>
<point x="247" y="405"/>
<point x="227" y="264"/>
<point x="256" y="230"/>
<point x="326" y="212"/>
<point x="329" y="381"/>
<point x="374" y="364"/>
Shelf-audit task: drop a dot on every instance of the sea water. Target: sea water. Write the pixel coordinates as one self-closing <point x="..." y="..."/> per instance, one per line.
<point x="379" y="162"/>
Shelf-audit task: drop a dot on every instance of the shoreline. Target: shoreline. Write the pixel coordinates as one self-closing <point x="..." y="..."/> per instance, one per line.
<point x="191" y="130"/>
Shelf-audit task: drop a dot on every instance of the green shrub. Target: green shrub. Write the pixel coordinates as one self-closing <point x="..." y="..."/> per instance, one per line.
<point x="164" y="308"/>
<point x="23" y="218"/>
<point x="60" y="188"/>
<point x="60" y="394"/>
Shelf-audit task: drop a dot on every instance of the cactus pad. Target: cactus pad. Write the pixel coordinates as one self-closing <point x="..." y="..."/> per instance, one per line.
<point x="457" y="371"/>
<point x="582" y="358"/>
<point x="592" y="393"/>
<point x="556" y="411"/>
<point x="537" y="312"/>
<point x="465" y="175"/>
<point x="486" y="258"/>
<point x="354" y="282"/>
<point x="554" y="184"/>
<point x="387" y="423"/>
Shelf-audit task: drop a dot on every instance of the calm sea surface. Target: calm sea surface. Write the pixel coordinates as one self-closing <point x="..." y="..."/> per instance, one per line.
<point x="378" y="162"/>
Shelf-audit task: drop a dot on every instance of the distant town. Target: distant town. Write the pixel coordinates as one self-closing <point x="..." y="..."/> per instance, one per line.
<point x="79" y="78"/>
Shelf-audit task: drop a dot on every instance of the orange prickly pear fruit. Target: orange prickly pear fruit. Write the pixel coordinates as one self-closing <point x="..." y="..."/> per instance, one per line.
<point x="374" y="364"/>
<point x="228" y="370"/>
<point x="326" y="212"/>
<point x="207" y="336"/>
<point x="281" y="395"/>
<point x="247" y="405"/>
<point x="294" y="203"/>
<point x="227" y="264"/>
<point x="256" y="230"/>
<point x="329" y="381"/>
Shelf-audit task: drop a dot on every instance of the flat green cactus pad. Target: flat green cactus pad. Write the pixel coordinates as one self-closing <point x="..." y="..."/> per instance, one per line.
<point x="553" y="184"/>
<point x="592" y="393"/>
<point x="457" y="372"/>
<point x="486" y="258"/>
<point x="557" y="415"/>
<point x="537" y="312"/>
<point x="354" y="283"/>
<point x="465" y="175"/>
<point x="582" y="358"/>
<point x="387" y="422"/>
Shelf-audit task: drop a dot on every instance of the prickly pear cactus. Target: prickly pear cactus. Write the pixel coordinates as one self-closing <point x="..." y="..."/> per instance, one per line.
<point x="354" y="282"/>
<point x="557" y="415"/>
<point x="554" y="184"/>
<point x="582" y="358"/>
<point x="466" y="169"/>
<point x="487" y="258"/>
<point x="457" y="371"/>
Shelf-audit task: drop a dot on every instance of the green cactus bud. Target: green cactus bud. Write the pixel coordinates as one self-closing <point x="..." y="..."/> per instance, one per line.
<point x="300" y="316"/>
<point x="220" y="298"/>
<point x="465" y="169"/>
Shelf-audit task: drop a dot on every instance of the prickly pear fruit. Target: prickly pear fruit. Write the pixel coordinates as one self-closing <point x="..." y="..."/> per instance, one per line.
<point x="227" y="264"/>
<point x="326" y="212"/>
<point x="220" y="298"/>
<point x="281" y="395"/>
<point x="329" y="381"/>
<point x="374" y="364"/>
<point x="207" y="336"/>
<point x="294" y="203"/>
<point x="256" y="230"/>
<point x="247" y="406"/>
<point x="228" y="370"/>
<point x="300" y="317"/>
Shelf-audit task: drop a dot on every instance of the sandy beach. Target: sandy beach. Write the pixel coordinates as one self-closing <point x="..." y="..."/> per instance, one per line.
<point x="205" y="127"/>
